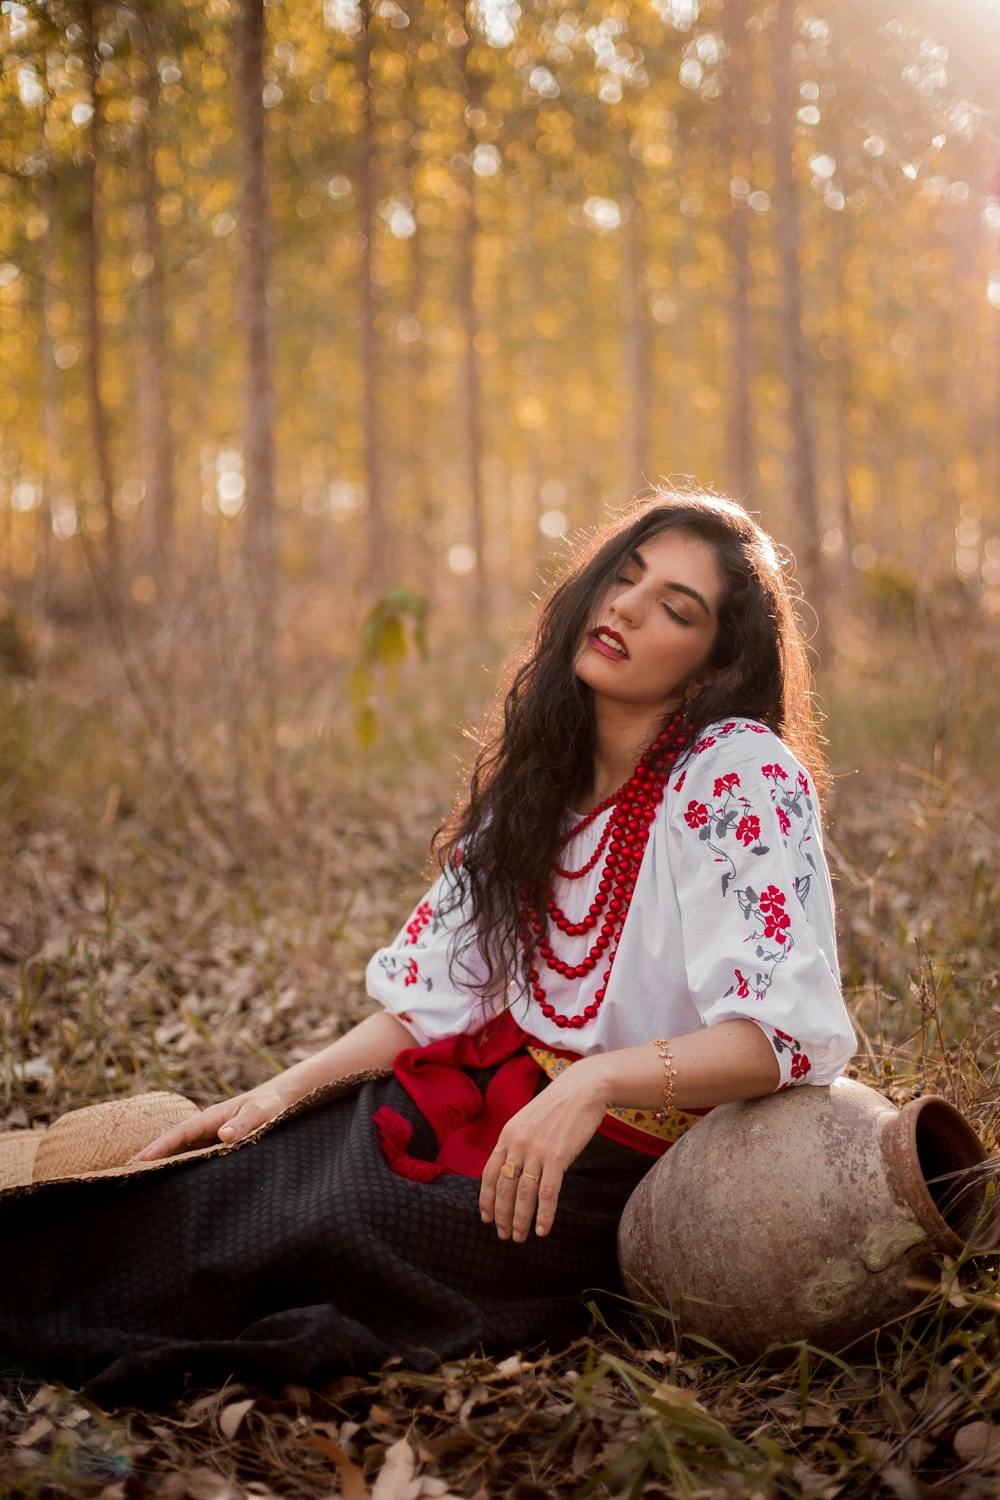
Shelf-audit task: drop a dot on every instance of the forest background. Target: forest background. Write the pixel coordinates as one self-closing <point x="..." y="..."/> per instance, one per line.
<point x="323" y="326"/>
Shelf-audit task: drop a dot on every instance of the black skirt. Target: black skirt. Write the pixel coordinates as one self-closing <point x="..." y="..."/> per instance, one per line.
<point x="297" y="1258"/>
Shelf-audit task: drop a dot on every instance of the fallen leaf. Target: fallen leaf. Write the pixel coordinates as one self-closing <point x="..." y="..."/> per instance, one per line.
<point x="395" y="1479"/>
<point x="902" y="1484"/>
<point x="817" y="1415"/>
<point x="897" y="1412"/>
<point x="352" y="1480"/>
<point x="200" y="1406"/>
<point x="978" y="1443"/>
<point x="658" y="1356"/>
<point x="205" y="1484"/>
<point x="41" y="1427"/>
<point x="74" y="1416"/>
<point x="232" y="1415"/>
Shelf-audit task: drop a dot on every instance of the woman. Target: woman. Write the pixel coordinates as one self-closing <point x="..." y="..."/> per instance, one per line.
<point x="633" y="923"/>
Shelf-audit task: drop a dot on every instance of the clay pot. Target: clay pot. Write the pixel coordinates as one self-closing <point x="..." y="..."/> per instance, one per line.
<point x="805" y="1215"/>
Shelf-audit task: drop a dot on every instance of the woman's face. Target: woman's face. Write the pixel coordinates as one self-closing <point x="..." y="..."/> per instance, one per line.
<point x="654" y="630"/>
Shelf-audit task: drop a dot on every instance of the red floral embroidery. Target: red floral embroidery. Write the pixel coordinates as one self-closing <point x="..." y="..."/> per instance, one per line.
<point x="392" y="965"/>
<point x="800" y="1064"/>
<point x="418" y="921"/>
<point x="791" y="802"/>
<point x="705" y="744"/>
<point x="742" y="985"/>
<point x="748" y="829"/>
<point x="725" y="784"/>
<point x="680" y="781"/>
<point x="696" y="815"/>
<point x="776" y="919"/>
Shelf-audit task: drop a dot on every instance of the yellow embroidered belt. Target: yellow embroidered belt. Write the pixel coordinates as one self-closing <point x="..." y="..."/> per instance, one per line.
<point x="676" y="1124"/>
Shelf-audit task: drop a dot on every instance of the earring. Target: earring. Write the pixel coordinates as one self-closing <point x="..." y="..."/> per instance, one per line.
<point x="692" y="690"/>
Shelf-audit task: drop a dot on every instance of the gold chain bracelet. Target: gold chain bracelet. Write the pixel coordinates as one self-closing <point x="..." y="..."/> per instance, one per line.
<point x="662" y="1046"/>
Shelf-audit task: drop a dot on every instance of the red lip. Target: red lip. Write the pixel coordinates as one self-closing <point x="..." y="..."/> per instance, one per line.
<point x="602" y="645"/>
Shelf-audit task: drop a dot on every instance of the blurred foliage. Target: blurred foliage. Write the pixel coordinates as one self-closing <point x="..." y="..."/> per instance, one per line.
<point x="606" y="172"/>
<point x="383" y="646"/>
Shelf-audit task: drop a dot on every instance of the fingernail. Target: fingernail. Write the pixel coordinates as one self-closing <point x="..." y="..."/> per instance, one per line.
<point x="227" y="1130"/>
<point x="485" y="1217"/>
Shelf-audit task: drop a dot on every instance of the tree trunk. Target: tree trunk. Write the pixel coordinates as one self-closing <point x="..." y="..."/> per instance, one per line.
<point x="258" y="434"/>
<point x="638" y="378"/>
<point x="418" y="367"/>
<point x="793" y="351"/>
<point x="158" y="445"/>
<point x="466" y="297"/>
<point x="99" y="425"/>
<point x="51" y="451"/>
<point x="742" y="464"/>
<point x="379" y="560"/>
<point x="843" y="404"/>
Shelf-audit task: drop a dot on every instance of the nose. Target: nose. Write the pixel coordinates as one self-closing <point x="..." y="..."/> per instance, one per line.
<point x="627" y="605"/>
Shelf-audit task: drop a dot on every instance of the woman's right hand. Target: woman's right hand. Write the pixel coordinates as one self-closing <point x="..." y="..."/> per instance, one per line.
<point x="223" y="1123"/>
<point x="371" y="1044"/>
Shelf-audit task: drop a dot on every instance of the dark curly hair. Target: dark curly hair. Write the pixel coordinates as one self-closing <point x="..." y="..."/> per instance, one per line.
<point x="537" y="755"/>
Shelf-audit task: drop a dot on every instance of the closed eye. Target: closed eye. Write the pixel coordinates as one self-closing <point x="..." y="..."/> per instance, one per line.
<point x="681" y="619"/>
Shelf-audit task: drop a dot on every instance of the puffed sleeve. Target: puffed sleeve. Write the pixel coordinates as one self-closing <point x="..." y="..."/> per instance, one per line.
<point x="414" y="977"/>
<point x="755" y="899"/>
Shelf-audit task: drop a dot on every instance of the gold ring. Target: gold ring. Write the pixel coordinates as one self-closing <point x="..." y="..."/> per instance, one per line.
<point x="509" y="1169"/>
<point x="532" y="1176"/>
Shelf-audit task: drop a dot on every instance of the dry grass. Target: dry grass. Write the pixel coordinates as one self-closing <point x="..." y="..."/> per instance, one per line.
<point x="198" y="926"/>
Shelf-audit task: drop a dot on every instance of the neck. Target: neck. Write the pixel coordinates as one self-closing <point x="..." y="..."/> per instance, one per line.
<point x="621" y="739"/>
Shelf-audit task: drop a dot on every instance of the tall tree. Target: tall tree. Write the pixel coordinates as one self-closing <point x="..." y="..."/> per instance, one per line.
<point x="637" y="339"/>
<point x="379" y="549"/>
<point x="469" y="94"/>
<point x="255" y="271"/>
<point x="51" y="414"/>
<point x="158" y="456"/>
<point x="89" y="21"/>
<point x="737" y="98"/>
<point x="792" y="346"/>
<point x="418" y="365"/>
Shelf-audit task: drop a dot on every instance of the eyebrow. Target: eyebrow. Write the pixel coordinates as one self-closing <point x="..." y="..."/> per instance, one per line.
<point x="678" y="588"/>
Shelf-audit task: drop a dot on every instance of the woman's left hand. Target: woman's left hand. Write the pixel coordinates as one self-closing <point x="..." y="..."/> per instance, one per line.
<point x="524" y="1174"/>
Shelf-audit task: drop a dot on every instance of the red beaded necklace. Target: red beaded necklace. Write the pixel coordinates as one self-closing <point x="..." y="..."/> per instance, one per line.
<point x="624" y="839"/>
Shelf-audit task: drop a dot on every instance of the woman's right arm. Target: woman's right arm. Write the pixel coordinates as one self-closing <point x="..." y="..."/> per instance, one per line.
<point x="372" y="1044"/>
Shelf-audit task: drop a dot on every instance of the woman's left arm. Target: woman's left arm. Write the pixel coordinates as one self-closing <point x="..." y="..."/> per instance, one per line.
<point x="732" y="1060"/>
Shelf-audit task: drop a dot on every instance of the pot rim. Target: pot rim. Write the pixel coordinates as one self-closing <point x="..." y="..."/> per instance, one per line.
<point x="902" y="1153"/>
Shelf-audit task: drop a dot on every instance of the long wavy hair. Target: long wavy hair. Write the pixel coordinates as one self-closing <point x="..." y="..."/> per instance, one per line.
<point x="536" y="759"/>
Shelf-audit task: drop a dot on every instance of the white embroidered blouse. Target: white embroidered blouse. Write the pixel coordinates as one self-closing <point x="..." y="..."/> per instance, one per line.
<point x="731" y="917"/>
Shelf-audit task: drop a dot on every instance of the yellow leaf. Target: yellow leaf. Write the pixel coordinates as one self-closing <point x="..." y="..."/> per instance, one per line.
<point x="352" y="1480"/>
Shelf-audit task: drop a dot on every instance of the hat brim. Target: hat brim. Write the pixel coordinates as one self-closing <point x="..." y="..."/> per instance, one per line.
<point x="19" y="1148"/>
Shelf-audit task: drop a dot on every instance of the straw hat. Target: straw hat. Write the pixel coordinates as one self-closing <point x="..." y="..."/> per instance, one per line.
<point x="97" y="1142"/>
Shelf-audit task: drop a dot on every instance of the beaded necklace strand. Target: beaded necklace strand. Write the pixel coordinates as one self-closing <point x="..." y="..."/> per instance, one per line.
<point x="622" y="844"/>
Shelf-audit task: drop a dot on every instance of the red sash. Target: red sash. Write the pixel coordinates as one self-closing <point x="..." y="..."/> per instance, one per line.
<point x="466" y="1122"/>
